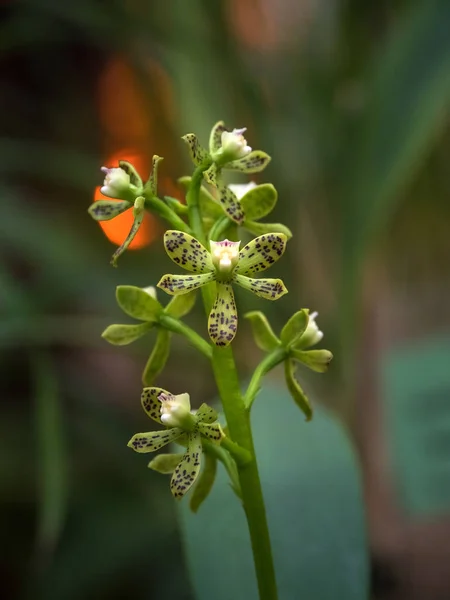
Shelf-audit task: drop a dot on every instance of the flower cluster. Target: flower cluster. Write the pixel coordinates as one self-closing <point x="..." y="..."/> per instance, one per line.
<point x="225" y="264"/>
<point x="182" y="425"/>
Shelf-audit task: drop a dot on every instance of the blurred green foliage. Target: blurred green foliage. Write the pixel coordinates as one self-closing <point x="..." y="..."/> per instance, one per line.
<point x="350" y="99"/>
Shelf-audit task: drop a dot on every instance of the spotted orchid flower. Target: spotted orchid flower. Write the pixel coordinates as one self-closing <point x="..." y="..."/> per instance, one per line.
<point x="174" y="412"/>
<point x="227" y="150"/>
<point x="225" y="264"/>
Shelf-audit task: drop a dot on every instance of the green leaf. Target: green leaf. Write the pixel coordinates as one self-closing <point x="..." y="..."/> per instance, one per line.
<point x="158" y="358"/>
<point x="262" y="331"/>
<point x="138" y="218"/>
<point x="298" y="395"/>
<point x="104" y="210"/>
<point x="295" y="327"/>
<point x="137" y="303"/>
<point x="180" y="306"/>
<point x="313" y="495"/>
<point x="259" y="201"/>
<point x="165" y="463"/>
<point x="262" y="228"/>
<point x="204" y="484"/>
<point x="121" y="335"/>
<point x="317" y="360"/>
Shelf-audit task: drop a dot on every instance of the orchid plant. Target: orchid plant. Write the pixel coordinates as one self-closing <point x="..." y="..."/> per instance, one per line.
<point x="205" y="239"/>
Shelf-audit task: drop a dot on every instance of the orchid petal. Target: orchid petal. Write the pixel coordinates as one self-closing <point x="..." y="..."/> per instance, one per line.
<point x="188" y="469"/>
<point x="197" y="152"/>
<point x="153" y="440"/>
<point x="206" y="414"/>
<point x="215" y="138"/>
<point x="231" y="204"/>
<point x="212" y="432"/>
<point x="182" y="284"/>
<point x="105" y="210"/>
<point x="151" y="403"/>
<point x="252" y="163"/>
<point x="211" y="175"/>
<point x="270" y="289"/>
<point x="187" y="252"/>
<point x="261" y="253"/>
<point x="223" y="319"/>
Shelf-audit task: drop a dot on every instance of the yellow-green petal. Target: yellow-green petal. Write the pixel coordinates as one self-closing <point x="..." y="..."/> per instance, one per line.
<point x="206" y="414"/>
<point x="104" y="210"/>
<point x="122" y="335"/>
<point x="138" y="212"/>
<point x="152" y="183"/>
<point x="188" y="469"/>
<point x="153" y="440"/>
<point x="261" y="253"/>
<point x="197" y="153"/>
<point x="151" y="403"/>
<point x="137" y="303"/>
<point x="223" y="318"/>
<point x="182" y="284"/>
<point x="187" y="252"/>
<point x="180" y="306"/>
<point x="252" y="163"/>
<point x="262" y="331"/>
<point x="158" y="357"/>
<point x="205" y="483"/>
<point x="298" y="395"/>
<point x="211" y="175"/>
<point x="215" y="137"/>
<point x="295" y="327"/>
<point x="135" y="178"/>
<point x="165" y="463"/>
<point x="270" y="289"/>
<point x="213" y="432"/>
<point x="231" y="205"/>
<point x="259" y="201"/>
<point x="261" y="228"/>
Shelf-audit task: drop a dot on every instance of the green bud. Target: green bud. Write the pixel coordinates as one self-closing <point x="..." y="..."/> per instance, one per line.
<point x="138" y="303"/>
<point x="121" y="335"/>
<point x="158" y="358"/>
<point x="316" y="360"/>
<point x="295" y="327"/>
<point x="105" y="210"/>
<point x="165" y="463"/>
<point x="263" y="333"/>
<point x="204" y="484"/>
<point x="298" y="395"/>
<point x="176" y="205"/>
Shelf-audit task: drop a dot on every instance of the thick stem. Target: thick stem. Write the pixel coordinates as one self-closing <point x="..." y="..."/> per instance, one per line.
<point x="157" y="206"/>
<point x="238" y="421"/>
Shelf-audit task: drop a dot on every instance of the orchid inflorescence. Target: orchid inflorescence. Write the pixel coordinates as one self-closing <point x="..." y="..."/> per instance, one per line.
<point x="204" y="239"/>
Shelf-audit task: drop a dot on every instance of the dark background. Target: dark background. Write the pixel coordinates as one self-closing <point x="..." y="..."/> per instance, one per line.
<point x="351" y="99"/>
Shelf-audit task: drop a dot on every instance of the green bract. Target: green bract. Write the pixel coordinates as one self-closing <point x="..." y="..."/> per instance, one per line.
<point x="225" y="265"/>
<point x="175" y="412"/>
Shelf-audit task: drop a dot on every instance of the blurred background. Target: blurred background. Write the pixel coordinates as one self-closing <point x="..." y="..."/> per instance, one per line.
<point x="351" y="99"/>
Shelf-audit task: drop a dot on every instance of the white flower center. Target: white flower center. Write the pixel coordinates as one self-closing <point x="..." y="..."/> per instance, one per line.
<point x="176" y="411"/>
<point x="234" y="144"/>
<point x="225" y="255"/>
<point x="240" y="189"/>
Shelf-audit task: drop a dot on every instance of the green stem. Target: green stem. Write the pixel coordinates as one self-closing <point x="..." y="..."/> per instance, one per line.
<point x="181" y="328"/>
<point x="240" y="455"/>
<point x="238" y="421"/>
<point x="218" y="228"/>
<point x="269" y="362"/>
<point x="157" y="206"/>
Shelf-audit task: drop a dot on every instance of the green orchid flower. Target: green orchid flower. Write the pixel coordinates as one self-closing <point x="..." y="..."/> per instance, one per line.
<point x="224" y="265"/>
<point x="182" y="424"/>
<point x="300" y="333"/>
